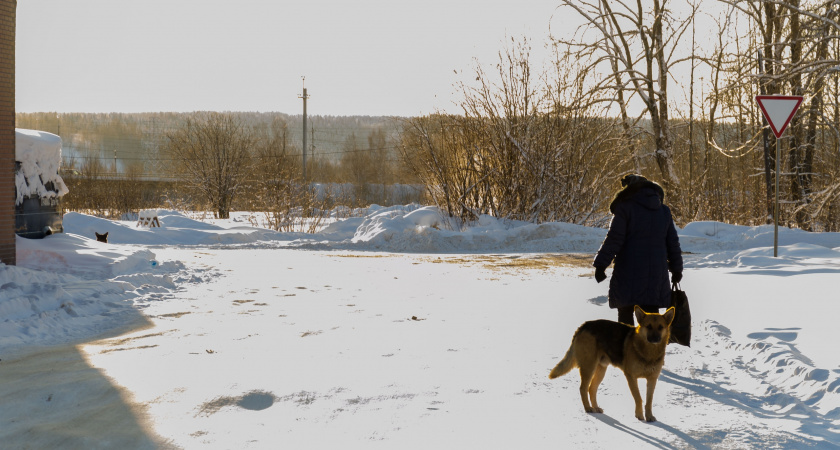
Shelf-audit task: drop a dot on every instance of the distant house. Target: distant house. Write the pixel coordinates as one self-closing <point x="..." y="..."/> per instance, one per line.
<point x="38" y="186"/>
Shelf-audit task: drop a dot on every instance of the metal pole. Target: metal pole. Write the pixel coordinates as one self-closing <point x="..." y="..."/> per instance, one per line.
<point x="304" y="97"/>
<point x="304" y="135"/>
<point x="776" y="214"/>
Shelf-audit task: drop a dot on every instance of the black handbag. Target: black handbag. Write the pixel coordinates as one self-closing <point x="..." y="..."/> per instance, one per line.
<point x="681" y="326"/>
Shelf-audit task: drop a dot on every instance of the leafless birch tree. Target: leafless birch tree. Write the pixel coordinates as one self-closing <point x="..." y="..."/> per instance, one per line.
<point x="211" y="152"/>
<point x="634" y="46"/>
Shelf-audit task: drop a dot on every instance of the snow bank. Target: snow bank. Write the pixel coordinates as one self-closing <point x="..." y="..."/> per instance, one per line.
<point x="68" y="287"/>
<point x="175" y="229"/>
<point x="416" y="229"/>
<point x="720" y="236"/>
<point x="412" y="228"/>
<point x="42" y="308"/>
<point x="84" y="257"/>
<point x="39" y="155"/>
<point x="428" y="230"/>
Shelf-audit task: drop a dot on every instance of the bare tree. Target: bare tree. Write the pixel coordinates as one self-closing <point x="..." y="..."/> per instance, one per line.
<point x="211" y="152"/>
<point x="795" y="57"/>
<point x="430" y="148"/>
<point x="633" y="46"/>
<point x="527" y="147"/>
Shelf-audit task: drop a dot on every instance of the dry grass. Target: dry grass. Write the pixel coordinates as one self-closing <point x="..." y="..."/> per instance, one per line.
<point x="118" y="342"/>
<point x="109" y="350"/>
<point x="175" y="315"/>
<point x="542" y="261"/>
<point x="509" y="263"/>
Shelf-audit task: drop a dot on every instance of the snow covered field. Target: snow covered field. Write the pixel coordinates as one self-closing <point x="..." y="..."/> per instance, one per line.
<point x="399" y="329"/>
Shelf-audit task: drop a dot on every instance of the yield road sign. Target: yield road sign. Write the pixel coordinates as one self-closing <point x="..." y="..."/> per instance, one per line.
<point x="778" y="110"/>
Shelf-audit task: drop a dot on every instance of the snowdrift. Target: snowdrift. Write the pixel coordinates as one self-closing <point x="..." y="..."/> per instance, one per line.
<point x="416" y="229"/>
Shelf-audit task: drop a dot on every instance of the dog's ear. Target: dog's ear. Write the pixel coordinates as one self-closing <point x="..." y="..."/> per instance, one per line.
<point x="669" y="315"/>
<point x="640" y="314"/>
<point x="106" y="233"/>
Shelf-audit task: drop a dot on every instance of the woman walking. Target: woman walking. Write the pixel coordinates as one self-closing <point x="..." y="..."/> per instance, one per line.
<point x="643" y="244"/>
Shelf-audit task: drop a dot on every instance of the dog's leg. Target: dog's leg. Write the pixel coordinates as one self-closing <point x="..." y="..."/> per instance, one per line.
<point x="586" y="374"/>
<point x="637" y="396"/>
<point x="651" y="385"/>
<point x="600" y="372"/>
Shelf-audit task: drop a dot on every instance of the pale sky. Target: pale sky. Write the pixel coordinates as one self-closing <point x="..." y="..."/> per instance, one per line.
<point x="360" y="57"/>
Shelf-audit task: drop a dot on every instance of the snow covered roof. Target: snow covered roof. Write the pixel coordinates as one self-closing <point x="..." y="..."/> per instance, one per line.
<point x="39" y="155"/>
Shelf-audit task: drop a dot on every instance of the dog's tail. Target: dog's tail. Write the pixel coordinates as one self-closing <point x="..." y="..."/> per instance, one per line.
<point x="565" y="365"/>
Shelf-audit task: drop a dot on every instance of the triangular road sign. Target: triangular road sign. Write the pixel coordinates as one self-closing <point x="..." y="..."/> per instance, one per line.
<point x="778" y="110"/>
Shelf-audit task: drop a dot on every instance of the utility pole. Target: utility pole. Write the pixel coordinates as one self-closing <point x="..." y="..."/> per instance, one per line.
<point x="304" y="97"/>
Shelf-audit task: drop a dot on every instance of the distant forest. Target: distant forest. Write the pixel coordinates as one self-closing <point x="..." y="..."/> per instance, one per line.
<point x="116" y="164"/>
<point x="136" y="138"/>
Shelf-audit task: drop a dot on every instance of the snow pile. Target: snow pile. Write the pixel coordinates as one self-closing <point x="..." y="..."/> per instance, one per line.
<point x="717" y="235"/>
<point x="84" y="257"/>
<point x="67" y="287"/>
<point x="39" y="155"/>
<point x="416" y="229"/>
<point x="176" y="229"/>
<point x="408" y="228"/>
<point x="43" y="308"/>
<point x="428" y="230"/>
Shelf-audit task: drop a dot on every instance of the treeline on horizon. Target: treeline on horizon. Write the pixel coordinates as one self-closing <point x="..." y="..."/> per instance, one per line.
<point x="118" y="163"/>
<point x="138" y="136"/>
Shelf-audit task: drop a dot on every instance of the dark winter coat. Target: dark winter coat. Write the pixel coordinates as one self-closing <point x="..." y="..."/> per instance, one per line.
<point x="643" y="241"/>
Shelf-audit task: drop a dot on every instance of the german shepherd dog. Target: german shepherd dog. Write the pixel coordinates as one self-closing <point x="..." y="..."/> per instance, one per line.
<point x="101" y="237"/>
<point x="639" y="352"/>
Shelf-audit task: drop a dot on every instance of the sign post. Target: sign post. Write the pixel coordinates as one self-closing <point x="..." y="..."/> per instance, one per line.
<point x="778" y="110"/>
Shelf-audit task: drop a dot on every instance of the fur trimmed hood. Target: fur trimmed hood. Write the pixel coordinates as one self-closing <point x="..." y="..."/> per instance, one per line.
<point x="640" y="189"/>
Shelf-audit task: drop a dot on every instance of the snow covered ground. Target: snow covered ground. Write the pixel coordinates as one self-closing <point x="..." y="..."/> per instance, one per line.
<point x="399" y="329"/>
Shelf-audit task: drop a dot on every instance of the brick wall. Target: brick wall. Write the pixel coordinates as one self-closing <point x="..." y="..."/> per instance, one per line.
<point x="7" y="130"/>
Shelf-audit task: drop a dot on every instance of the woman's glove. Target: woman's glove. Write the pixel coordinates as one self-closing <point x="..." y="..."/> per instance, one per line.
<point x="676" y="277"/>
<point x="600" y="274"/>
